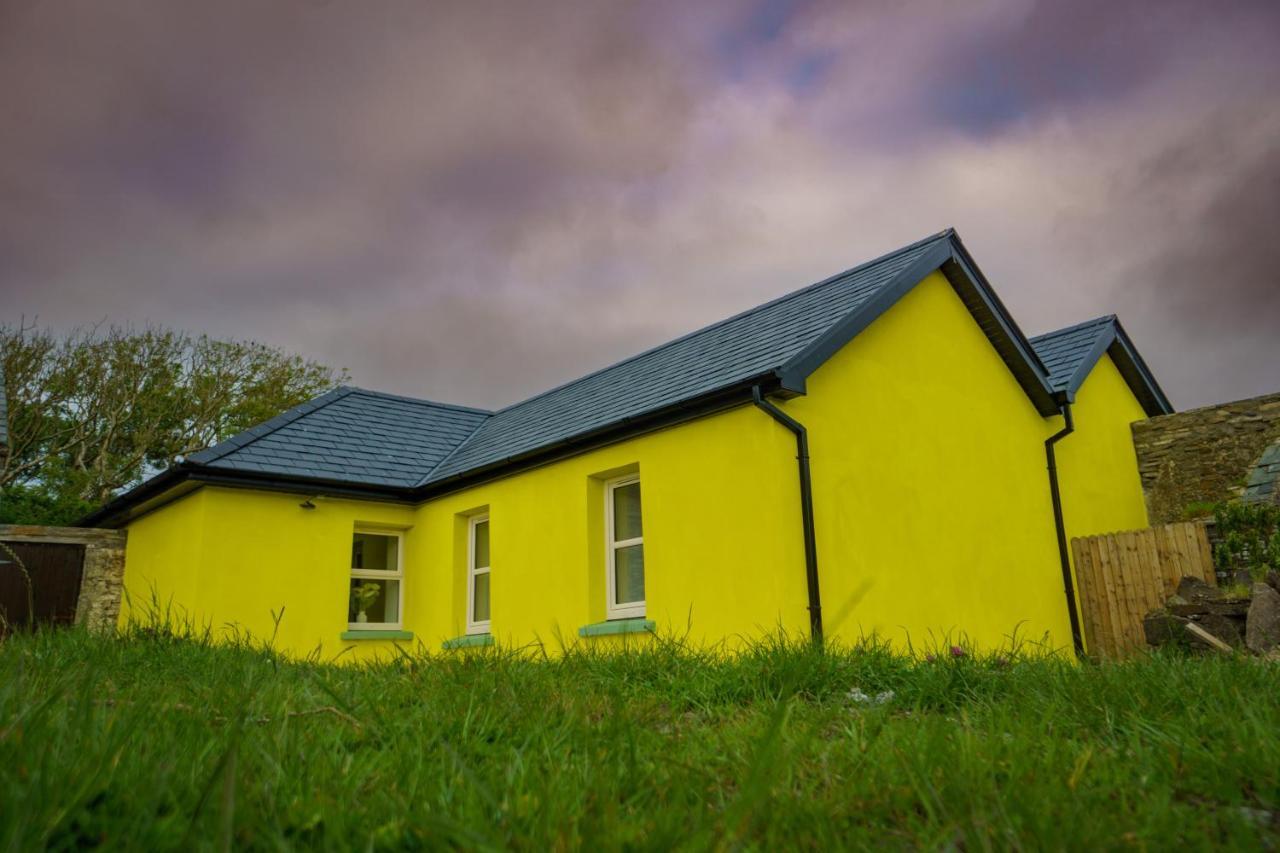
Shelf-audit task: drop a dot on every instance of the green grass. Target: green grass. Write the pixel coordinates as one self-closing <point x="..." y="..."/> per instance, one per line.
<point x="158" y="742"/>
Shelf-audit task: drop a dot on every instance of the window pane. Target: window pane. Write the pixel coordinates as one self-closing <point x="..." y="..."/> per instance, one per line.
<point x="481" y="554"/>
<point x="377" y="601"/>
<point x="480" y="613"/>
<point x="374" y="551"/>
<point x="626" y="512"/>
<point x="628" y="574"/>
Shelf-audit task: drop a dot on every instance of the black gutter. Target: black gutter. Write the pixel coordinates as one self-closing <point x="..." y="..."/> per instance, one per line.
<point x="623" y="428"/>
<point x="806" y="509"/>
<point x="144" y="491"/>
<point x="1064" y="554"/>
<point x="115" y="511"/>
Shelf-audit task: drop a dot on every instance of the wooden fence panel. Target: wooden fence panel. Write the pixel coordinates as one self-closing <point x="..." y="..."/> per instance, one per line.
<point x="1123" y="576"/>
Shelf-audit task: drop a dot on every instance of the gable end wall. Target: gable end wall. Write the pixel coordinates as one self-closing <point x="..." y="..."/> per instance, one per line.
<point x="933" y="515"/>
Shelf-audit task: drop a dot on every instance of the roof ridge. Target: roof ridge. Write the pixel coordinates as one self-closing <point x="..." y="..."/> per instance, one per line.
<point x="453" y="451"/>
<point x="944" y="234"/>
<point x="420" y="401"/>
<point x="1096" y="321"/>
<point x="223" y="448"/>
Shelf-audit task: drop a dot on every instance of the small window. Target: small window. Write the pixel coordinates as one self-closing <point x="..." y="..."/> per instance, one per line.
<point x="624" y="547"/>
<point x="478" y="576"/>
<point x="377" y="572"/>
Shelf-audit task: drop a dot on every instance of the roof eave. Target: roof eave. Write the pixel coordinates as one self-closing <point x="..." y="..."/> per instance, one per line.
<point x="725" y="397"/>
<point x="155" y="492"/>
<point x="1135" y="372"/>
<point x="151" y="494"/>
<point x="110" y="513"/>
<point x="1112" y="340"/>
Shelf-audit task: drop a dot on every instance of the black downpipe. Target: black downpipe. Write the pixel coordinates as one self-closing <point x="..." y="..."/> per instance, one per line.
<point x="806" y="509"/>
<point x="1064" y="554"/>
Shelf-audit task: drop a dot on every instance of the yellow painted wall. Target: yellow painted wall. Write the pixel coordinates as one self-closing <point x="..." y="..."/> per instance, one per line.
<point x="1097" y="464"/>
<point x="932" y="502"/>
<point x="162" y="560"/>
<point x="723" y="550"/>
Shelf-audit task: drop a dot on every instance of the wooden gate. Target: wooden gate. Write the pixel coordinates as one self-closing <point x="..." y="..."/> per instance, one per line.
<point x="55" y="570"/>
<point x="1124" y="576"/>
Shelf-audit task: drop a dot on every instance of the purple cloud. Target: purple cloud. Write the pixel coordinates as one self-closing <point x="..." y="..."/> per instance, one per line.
<point x="473" y="201"/>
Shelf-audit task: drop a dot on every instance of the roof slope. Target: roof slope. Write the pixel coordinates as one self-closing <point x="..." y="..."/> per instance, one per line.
<point x="1065" y="352"/>
<point x="1069" y="355"/>
<point x="731" y="351"/>
<point x="403" y="448"/>
<point x="349" y="435"/>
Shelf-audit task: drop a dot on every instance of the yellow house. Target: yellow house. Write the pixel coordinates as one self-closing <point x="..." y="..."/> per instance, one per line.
<point x="866" y="455"/>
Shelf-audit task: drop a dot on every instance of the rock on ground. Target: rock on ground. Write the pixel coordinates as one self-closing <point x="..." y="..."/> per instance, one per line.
<point x="1262" y="628"/>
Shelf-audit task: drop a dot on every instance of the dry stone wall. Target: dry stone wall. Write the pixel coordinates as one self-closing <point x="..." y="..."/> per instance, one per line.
<point x="1202" y="455"/>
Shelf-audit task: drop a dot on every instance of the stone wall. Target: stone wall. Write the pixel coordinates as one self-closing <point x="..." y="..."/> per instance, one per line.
<point x="102" y="580"/>
<point x="1203" y="455"/>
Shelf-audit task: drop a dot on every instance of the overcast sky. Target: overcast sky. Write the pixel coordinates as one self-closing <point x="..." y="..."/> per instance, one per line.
<point x="474" y="201"/>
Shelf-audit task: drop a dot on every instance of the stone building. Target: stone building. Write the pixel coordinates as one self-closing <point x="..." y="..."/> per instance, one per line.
<point x="1191" y="459"/>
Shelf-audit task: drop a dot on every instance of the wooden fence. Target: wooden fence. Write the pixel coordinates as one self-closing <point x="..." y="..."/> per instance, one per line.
<point x="1123" y="576"/>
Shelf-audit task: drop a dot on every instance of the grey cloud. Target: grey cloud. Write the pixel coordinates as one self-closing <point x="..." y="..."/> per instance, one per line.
<point x="473" y="201"/>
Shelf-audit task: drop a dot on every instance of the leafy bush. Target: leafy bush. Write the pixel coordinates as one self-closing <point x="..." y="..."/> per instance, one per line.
<point x="1250" y="537"/>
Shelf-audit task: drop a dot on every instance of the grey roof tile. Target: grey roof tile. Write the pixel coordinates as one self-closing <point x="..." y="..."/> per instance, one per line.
<point x="350" y="435"/>
<point x="735" y="350"/>
<point x="1063" y="351"/>
<point x="370" y="439"/>
<point x="367" y="438"/>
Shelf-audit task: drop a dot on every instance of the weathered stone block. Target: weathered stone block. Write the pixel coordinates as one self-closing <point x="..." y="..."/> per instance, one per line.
<point x="1230" y="608"/>
<point x="1225" y="628"/>
<point x="1202" y="455"/>
<point x="1195" y="591"/>
<point x="1262" y="631"/>
<point x="1163" y="628"/>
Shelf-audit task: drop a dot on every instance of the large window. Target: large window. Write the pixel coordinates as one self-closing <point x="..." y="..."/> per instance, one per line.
<point x="478" y="576"/>
<point x="377" y="572"/>
<point x="624" y="547"/>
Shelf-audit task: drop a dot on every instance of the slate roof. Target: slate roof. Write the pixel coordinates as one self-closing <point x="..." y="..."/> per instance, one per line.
<point x="349" y="435"/>
<point x="1069" y="355"/>
<point x="735" y="350"/>
<point x="371" y="443"/>
<point x="1263" y="484"/>
<point x="1065" y="351"/>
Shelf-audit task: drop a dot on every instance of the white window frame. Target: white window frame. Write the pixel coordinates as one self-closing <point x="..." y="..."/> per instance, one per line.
<point x="473" y="626"/>
<point x="632" y="609"/>
<point x="376" y="574"/>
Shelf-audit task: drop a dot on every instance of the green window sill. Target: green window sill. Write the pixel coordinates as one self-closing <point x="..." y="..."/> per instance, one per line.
<point x="374" y="634"/>
<point x="467" y="641"/>
<point x="617" y="626"/>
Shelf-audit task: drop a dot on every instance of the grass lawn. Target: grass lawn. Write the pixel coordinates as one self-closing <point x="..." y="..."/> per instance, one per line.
<point x="156" y="742"/>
